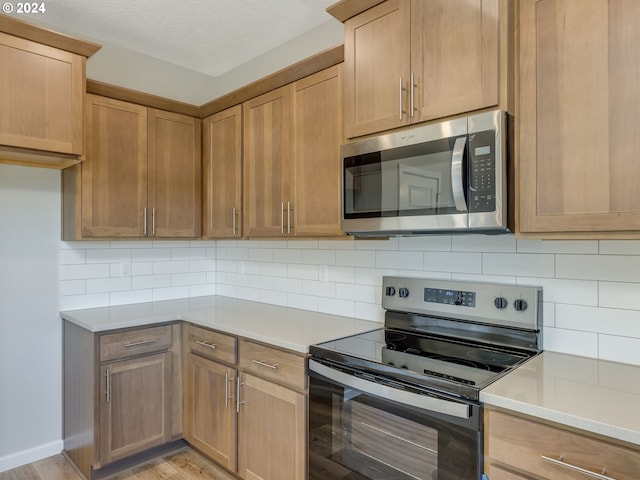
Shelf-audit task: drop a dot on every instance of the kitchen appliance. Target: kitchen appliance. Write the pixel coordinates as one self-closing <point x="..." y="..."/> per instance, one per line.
<point x="438" y="178"/>
<point x="402" y="401"/>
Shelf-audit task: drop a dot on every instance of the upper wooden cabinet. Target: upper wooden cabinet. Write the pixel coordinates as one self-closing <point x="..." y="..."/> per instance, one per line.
<point x="41" y="95"/>
<point x="141" y="177"/>
<point x="579" y="108"/>
<point x="291" y="158"/>
<point x="222" y="174"/>
<point x="409" y="61"/>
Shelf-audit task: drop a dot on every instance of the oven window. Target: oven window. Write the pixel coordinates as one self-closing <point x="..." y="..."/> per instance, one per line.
<point x="404" y="181"/>
<point x="357" y="436"/>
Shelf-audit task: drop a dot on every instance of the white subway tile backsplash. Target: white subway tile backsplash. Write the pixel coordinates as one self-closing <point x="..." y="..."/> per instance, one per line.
<point x="356" y="258"/>
<point x="73" y="256"/>
<point x="621" y="268"/>
<point x="591" y="289"/>
<point x="608" y="321"/>
<point x="151" y="255"/>
<point x="373" y="276"/>
<point x="483" y="243"/>
<point x="432" y="243"/>
<point x="521" y="265"/>
<point x="577" y="292"/>
<point x="319" y="257"/>
<point x="170" y="293"/>
<point x="102" y="255"/>
<point x="72" y="287"/>
<point x="150" y="281"/>
<point x="571" y="342"/>
<point x="345" y="308"/>
<point x="619" y="349"/>
<point x="161" y="268"/>
<point x="558" y="246"/>
<point x="289" y="255"/>
<point x="304" y="302"/>
<point x="454" y="262"/>
<point x="620" y="247"/>
<point x="400" y="260"/>
<point x="78" y="272"/>
<point x="619" y="295"/>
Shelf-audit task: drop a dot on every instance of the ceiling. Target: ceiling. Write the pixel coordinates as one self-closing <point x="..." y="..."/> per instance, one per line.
<point x="211" y="37"/>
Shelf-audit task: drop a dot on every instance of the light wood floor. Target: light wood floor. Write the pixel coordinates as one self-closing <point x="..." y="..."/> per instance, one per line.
<point x="185" y="464"/>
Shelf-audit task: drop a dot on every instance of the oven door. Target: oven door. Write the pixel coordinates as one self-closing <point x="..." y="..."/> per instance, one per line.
<point x="366" y="430"/>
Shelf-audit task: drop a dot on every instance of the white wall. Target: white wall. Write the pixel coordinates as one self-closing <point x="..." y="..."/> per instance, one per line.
<point x="30" y="329"/>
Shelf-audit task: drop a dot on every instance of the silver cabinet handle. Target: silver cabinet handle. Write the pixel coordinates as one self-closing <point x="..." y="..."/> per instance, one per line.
<point x="145" y="221"/>
<point x="562" y="463"/>
<point x="226" y="389"/>
<point x="108" y="393"/>
<point x="233" y="221"/>
<point x="153" y="222"/>
<point x="141" y="342"/>
<point x="265" y="364"/>
<point x="400" y="94"/>
<point x="282" y="218"/>
<point x="457" y="188"/>
<point x="212" y="346"/>
<point x="238" y="385"/>
<point x="411" y="95"/>
<point x="288" y="218"/>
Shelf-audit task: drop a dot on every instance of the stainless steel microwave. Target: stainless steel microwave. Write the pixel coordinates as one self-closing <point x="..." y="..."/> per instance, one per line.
<point x="447" y="177"/>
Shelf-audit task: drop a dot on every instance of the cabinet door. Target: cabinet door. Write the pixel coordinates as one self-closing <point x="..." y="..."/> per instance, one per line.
<point x="222" y="147"/>
<point x="114" y="174"/>
<point x="317" y="125"/>
<point x="271" y="431"/>
<point x="579" y="109"/>
<point x="41" y="95"/>
<point x="174" y="201"/>
<point x="209" y="409"/>
<point x="377" y="55"/>
<point x="454" y="56"/>
<point x="135" y="405"/>
<point x="267" y="134"/>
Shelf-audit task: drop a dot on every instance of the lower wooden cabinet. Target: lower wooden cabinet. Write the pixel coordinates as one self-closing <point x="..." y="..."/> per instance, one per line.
<point x="135" y="406"/>
<point x="271" y="430"/>
<point x="210" y="409"/>
<point x="121" y="393"/>
<point x="518" y="448"/>
<point x="245" y="405"/>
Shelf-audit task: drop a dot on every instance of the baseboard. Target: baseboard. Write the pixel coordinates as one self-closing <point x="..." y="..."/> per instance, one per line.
<point x="31" y="455"/>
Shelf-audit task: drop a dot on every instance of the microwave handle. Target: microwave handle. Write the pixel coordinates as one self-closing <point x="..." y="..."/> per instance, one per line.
<point x="457" y="162"/>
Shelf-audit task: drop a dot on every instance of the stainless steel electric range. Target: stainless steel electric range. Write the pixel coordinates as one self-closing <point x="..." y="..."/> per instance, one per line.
<point x="402" y="402"/>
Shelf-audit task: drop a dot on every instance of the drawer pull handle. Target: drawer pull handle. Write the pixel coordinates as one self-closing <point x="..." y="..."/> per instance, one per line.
<point x="562" y="463"/>
<point x="141" y="342"/>
<point x="206" y="344"/>
<point x="265" y="364"/>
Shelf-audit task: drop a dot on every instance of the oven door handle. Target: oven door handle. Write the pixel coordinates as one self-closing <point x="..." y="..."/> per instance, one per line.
<point x="457" y="162"/>
<point x="438" y="405"/>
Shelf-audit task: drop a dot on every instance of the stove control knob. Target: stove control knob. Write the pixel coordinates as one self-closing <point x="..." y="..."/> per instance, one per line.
<point x="500" y="303"/>
<point x="391" y="291"/>
<point x="403" y="292"/>
<point x="520" y="305"/>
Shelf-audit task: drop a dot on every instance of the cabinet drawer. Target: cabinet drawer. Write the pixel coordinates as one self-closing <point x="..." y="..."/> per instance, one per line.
<point x="554" y="453"/>
<point x="211" y="344"/>
<point x="273" y="364"/>
<point x="134" y="342"/>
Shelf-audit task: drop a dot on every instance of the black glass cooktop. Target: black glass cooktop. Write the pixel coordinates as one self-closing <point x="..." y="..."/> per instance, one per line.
<point x="449" y="365"/>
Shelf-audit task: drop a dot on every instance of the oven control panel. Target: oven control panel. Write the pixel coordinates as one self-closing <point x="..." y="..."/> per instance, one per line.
<point x="497" y="304"/>
<point x="450" y="297"/>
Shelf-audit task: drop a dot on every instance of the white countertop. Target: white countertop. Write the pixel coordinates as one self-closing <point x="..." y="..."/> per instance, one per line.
<point x="593" y="395"/>
<point x="284" y="327"/>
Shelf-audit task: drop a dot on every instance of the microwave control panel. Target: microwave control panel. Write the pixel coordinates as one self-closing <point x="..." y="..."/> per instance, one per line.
<point x="482" y="172"/>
